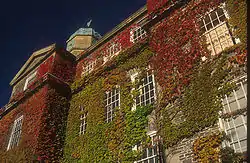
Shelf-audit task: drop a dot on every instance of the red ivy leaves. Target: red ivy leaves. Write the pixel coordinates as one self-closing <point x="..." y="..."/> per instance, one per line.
<point x="176" y="42"/>
<point x="45" y="67"/>
<point x="122" y="39"/>
<point x="63" y="69"/>
<point x="155" y="6"/>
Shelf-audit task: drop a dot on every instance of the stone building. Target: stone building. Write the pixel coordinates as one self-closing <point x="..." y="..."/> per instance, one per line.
<point x="87" y="103"/>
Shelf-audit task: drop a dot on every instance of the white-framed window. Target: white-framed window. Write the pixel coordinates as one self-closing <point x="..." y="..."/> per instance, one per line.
<point x="215" y="29"/>
<point x="137" y="34"/>
<point x="88" y="68"/>
<point x="83" y="121"/>
<point x="146" y="91"/>
<point x="114" y="49"/>
<point x="150" y="154"/>
<point x="15" y="133"/>
<point x="236" y="127"/>
<point x="29" y="80"/>
<point x="112" y="101"/>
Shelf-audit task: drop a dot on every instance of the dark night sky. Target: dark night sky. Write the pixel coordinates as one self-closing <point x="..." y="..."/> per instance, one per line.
<point x="27" y="26"/>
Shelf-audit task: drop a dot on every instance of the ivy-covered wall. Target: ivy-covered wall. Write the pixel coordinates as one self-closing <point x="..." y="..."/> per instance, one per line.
<point x="113" y="141"/>
<point x="189" y="92"/>
<point x="189" y="89"/>
<point x="32" y="110"/>
<point x="44" y="106"/>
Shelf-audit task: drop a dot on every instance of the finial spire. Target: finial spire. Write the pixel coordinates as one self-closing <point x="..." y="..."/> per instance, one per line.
<point x="89" y="22"/>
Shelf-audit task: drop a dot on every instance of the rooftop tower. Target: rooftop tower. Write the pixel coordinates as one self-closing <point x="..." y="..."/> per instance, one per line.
<point x="82" y="39"/>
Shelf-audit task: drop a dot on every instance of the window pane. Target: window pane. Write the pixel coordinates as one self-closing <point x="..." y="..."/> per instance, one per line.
<point x="222" y="18"/>
<point x="209" y="26"/>
<point x="238" y="121"/>
<point x="203" y="29"/>
<point x="233" y="135"/>
<point x="220" y="12"/>
<point x="243" y="143"/>
<point x="207" y="20"/>
<point x="241" y="132"/>
<point x="233" y="106"/>
<point x="216" y="22"/>
<point x="213" y="15"/>
<point x="150" y="152"/>
<point x="243" y="102"/>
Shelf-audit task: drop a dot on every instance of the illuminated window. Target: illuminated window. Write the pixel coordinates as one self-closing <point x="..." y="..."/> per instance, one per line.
<point x="15" y="133"/>
<point x="146" y="91"/>
<point x="236" y="127"/>
<point x="214" y="27"/>
<point x="137" y="34"/>
<point x="29" y="80"/>
<point x="88" y="68"/>
<point x="112" y="101"/>
<point x="83" y="121"/>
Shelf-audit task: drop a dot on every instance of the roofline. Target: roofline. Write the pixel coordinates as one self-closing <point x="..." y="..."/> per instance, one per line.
<point x="78" y="34"/>
<point x="34" y="54"/>
<point x="115" y="30"/>
<point x="54" y="47"/>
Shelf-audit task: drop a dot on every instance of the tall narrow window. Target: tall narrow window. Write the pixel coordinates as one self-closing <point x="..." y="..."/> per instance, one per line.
<point x="214" y="27"/>
<point x="236" y="127"/>
<point x="15" y="133"/>
<point x="146" y="91"/>
<point x="137" y="34"/>
<point x="83" y="121"/>
<point x="112" y="101"/>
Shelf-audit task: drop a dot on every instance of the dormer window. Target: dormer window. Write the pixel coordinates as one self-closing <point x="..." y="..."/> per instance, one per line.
<point x="29" y="80"/>
<point x="137" y="34"/>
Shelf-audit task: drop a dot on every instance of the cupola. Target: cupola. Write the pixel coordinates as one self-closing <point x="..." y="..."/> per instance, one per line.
<point x="82" y="39"/>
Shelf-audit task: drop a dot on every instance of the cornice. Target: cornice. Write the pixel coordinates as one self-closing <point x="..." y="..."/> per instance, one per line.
<point x="113" y="32"/>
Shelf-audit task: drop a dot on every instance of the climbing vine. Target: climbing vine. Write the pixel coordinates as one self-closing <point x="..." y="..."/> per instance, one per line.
<point x="200" y="103"/>
<point x="44" y="107"/>
<point x="237" y="9"/>
<point x="113" y="141"/>
<point x="207" y="149"/>
<point x="189" y="99"/>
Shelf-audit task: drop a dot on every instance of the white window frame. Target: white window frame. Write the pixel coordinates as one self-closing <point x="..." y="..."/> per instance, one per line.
<point x="15" y="133"/>
<point x="230" y="124"/>
<point x="114" y="49"/>
<point x="137" y="34"/>
<point x="111" y="103"/>
<point x="142" y="97"/>
<point x="83" y="121"/>
<point x="208" y="32"/>
<point x="155" y="150"/>
<point x="88" y="68"/>
<point x="32" y="76"/>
